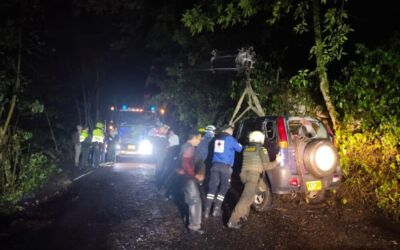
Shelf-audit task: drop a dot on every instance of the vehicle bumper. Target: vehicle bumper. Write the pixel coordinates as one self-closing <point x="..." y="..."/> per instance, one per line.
<point x="280" y="178"/>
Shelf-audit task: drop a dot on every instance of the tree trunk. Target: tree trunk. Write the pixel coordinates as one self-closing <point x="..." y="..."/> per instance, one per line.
<point x="78" y="108"/>
<point x="321" y="67"/>
<point x="52" y="133"/>
<point x="4" y="128"/>
<point x="85" y="106"/>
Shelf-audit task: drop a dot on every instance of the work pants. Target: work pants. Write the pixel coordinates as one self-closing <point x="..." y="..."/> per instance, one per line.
<point x="97" y="153"/>
<point x="85" y="155"/>
<point x="242" y="208"/>
<point x="220" y="175"/>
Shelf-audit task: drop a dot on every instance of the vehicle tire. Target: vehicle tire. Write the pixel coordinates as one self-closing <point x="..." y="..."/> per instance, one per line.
<point x="312" y="158"/>
<point x="117" y="159"/>
<point x="263" y="198"/>
<point x="315" y="197"/>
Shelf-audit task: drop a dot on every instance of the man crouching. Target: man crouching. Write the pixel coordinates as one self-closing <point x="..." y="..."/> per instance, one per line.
<point x="190" y="177"/>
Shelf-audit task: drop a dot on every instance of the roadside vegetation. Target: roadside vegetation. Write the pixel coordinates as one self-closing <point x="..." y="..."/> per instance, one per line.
<point x="307" y="64"/>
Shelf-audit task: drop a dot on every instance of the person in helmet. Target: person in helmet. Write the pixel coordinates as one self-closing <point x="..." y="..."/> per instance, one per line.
<point x="203" y="156"/>
<point x="225" y="146"/>
<point x="85" y="140"/>
<point x="202" y="151"/>
<point x="98" y="143"/>
<point x="255" y="161"/>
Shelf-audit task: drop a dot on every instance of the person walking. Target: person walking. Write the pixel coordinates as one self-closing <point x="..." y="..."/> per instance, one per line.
<point x="225" y="146"/>
<point x="190" y="177"/>
<point x="255" y="162"/>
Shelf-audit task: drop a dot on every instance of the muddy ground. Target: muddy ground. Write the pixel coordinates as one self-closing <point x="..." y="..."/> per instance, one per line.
<point x="119" y="208"/>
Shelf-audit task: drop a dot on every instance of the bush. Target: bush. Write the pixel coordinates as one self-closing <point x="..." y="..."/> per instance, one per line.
<point x="370" y="160"/>
<point x="368" y="103"/>
<point x="34" y="171"/>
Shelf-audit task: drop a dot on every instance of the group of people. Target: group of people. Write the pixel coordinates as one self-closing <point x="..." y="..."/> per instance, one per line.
<point x="205" y="166"/>
<point x="89" y="146"/>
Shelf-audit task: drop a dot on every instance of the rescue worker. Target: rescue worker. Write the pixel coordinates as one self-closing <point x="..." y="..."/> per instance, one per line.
<point x="85" y="140"/>
<point x="98" y="143"/>
<point x="223" y="158"/>
<point x="77" y="144"/>
<point x="255" y="162"/>
<point x="190" y="177"/>
<point x="202" y="149"/>
<point x="203" y="161"/>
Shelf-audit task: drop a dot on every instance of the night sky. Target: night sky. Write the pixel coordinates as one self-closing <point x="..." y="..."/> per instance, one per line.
<point x="87" y="46"/>
<point x="80" y="36"/>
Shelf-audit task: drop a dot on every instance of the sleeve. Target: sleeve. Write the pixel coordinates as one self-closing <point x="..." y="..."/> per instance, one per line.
<point x="236" y="145"/>
<point x="268" y="165"/>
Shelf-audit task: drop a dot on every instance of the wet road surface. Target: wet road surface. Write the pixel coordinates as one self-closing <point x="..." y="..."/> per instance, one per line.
<point x="119" y="208"/>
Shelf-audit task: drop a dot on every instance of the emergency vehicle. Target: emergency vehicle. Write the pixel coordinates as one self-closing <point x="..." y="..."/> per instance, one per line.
<point x="131" y="130"/>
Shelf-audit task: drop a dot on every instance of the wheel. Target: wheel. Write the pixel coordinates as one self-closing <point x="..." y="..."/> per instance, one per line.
<point x="117" y="159"/>
<point x="263" y="198"/>
<point x="315" y="197"/>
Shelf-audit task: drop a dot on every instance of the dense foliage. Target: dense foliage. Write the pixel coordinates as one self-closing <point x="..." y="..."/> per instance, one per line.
<point x="369" y="137"/>
<point x="22" y="167"/>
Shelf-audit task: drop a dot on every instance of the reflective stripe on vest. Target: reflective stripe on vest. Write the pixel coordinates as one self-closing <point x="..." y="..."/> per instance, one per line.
<point x="83" y="136"/>
<point x="98" y="135"/>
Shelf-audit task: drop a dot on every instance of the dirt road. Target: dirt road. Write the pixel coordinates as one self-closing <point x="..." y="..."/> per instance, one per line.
<point x="119" y="208"/>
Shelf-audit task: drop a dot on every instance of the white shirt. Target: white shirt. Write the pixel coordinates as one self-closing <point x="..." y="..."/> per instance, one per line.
<point x="173" y="140"/>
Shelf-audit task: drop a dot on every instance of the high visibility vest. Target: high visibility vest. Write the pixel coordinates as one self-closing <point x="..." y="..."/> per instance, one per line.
<point x="98" y="135"/>
<point x="83" y="135"/>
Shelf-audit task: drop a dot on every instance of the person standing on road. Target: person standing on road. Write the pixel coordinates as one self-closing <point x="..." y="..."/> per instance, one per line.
<point x="98" y="143"/>
<point x="223" y="158"/>
<point x="255" y="162"/>
<point x="77" y="145"/>
<point x="85" y="140"/>
<point x="161" y="145"/>
<point x="173" y="139"/>
<point x="190" y="177"/>
<point x="203" y="160"/>
<point x="203" y="148"/>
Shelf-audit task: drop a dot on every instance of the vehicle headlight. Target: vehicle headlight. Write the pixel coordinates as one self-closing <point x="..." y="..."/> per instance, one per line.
<point x="325" y="158"/>
<point x="118" y="146"/>
<point x="145" y="147"/>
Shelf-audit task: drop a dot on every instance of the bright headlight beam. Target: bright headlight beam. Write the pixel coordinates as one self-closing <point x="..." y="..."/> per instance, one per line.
<point x="145" y="147"/>
<point x="325" y="158"/>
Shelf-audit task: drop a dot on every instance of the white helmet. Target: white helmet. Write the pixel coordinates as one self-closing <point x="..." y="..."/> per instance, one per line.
<point x="210" y="128"/>
<point x="256" y="136"/>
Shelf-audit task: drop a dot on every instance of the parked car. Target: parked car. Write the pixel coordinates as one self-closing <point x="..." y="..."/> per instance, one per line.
<point x="309" y="159"/>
